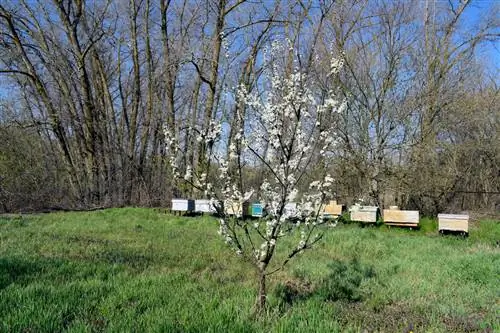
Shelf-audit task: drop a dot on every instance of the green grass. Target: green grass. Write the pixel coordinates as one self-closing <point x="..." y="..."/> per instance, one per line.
<point x="141" y="270"/>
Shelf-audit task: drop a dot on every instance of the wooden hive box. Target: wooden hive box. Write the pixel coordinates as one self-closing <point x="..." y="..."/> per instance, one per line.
<point x="257" y="210"/>
<point x="401" y="218"/>
<point x="237" y="209"/>
<point x="366" y="214"/>
<point x="332" y="210"/>
<point x="182" y="205"/>
<point x="453" y="222"/>
<point x="204" y="206"/>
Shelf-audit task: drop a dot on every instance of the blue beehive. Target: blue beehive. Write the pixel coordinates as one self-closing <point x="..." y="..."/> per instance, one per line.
<point x="256" y="210"/>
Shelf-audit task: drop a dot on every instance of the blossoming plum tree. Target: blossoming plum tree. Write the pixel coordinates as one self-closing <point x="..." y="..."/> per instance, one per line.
<point x="288" y="130"/>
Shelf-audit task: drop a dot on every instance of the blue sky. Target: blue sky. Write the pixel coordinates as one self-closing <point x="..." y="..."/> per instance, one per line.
<point x="489" y="52"/>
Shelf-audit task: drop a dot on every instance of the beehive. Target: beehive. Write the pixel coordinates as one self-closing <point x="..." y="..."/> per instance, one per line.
<point x="257" y="209"/>
<point x="290" y="210"/>
<point x="182" y="205"/>
<point x="453" y="222"/>
<point x="204" y="206"/>
<point x="236" y="209"/>
<point x="366" y="214"/>
<point x="332" y="210"/>
<point x="401" y="218"/>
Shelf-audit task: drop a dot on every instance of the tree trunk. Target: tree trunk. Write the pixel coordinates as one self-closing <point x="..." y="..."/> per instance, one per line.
<point x="170" y="67"/>
<point x="213" y="79"/>
<point x="136" y="102"/>
<point x="261" y="297"/>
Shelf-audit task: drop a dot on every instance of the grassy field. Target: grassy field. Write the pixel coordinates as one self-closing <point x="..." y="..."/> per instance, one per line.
<point x="142" y="270"/>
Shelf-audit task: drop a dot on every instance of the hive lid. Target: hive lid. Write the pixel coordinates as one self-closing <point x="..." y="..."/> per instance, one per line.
<point x="368" y="209"/>
<point x="453" y="216"/>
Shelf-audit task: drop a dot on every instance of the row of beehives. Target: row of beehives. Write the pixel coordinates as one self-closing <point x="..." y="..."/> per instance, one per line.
<point x="365" y="214"/>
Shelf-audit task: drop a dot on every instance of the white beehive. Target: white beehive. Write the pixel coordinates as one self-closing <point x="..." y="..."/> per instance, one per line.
<point x="204" y="206"/>
<point x="290" y="210"/>
<point x="453" y="222"/>
<point x="367" y="214"/>
<point x="182" y="205"/>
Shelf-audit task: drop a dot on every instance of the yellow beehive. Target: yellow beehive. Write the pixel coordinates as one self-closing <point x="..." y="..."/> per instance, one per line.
<point x="235" y="208"/>
<point x="332" y="209"/>
<point x="401" y="218"/>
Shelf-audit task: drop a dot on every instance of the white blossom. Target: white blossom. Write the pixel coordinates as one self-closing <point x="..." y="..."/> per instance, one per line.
<point x="284" y="128"/>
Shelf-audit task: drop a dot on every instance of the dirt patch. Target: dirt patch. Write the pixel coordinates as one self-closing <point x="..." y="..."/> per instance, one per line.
<point x="394" y="317"/>
<point x="405" y="317"/>
<point x="466" y="324"/>
<point x="291" y="291"/>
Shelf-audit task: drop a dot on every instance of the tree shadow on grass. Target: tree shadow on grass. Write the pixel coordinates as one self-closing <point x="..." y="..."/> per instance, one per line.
<point x="54" y="292"/>
<point x="123" y="256"/>
<point x="106" y="251"/>
<point x="23" y="271"/>
<point x="14" y="220"/>
<point x="342" y="282"/>
<point x="54" y="270"/>
<point x="13" y="270"/>
<point x="76" y="257"/>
